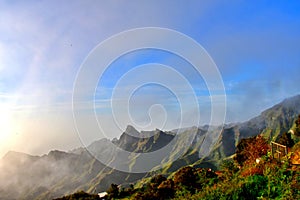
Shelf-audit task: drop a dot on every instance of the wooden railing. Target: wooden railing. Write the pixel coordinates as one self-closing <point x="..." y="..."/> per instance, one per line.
<point x="278" y="150"/>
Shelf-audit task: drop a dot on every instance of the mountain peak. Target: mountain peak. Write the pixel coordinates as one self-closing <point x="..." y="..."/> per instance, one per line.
<point x="58" y="155"/>
<point x="293" y="102"/>
<point x="132" y="131"/>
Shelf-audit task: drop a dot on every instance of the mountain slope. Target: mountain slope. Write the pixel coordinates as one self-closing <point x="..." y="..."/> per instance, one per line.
<point x="58" y="173"/>
<point x="271" y="123"/>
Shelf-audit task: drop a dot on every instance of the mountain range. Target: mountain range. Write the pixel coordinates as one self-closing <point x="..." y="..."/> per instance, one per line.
<point x="23" y="176"/>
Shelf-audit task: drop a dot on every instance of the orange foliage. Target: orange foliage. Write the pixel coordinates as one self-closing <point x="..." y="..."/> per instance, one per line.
<point x="248" y="150"/>
<point x="253" y="170"/>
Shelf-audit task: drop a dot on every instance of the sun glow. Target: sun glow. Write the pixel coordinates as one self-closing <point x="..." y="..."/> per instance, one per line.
<point x="6" y="124"/>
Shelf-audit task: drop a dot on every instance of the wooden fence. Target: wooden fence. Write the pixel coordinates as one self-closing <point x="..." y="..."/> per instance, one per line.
<point x="278" y="150"/>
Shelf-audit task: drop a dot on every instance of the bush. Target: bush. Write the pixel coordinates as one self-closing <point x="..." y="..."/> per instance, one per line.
<point x="80" y="195"/>
<point x="113" y="191"/>
<point x="229" y="168"/>
<point x="286" y="139"/>
<point x="254" y="187"/>
<point x="248" y="150"/>
<point x="186" y="177"/>
<point x="297" y="128"/>
<point x="166" y="189"/>
<point x="159" y="187"/>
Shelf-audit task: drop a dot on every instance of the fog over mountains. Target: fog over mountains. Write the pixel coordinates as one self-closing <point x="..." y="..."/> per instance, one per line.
<point x="23" y="176"/>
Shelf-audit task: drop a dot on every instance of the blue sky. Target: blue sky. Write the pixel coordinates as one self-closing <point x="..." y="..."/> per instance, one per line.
<point x="255" y="45"/>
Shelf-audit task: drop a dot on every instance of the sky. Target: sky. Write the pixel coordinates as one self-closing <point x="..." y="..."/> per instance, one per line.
<point x="43" y="45"/>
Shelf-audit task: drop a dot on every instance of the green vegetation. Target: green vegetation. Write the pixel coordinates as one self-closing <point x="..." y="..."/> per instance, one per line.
<point x="297" y="128"/>
<point x="80" y="196"/>
<point x="286" y="139"/>
<point x="258" y="177"/>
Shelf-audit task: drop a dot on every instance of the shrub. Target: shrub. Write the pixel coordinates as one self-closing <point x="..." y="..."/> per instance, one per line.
<point x="186" y="176"/>
<point x="80" y="195"/>
<point x="297" y="128"/>
<point x="248" y="150"/>
<point x="166" y="189"/>
<point x="254" y="187"/>
<point x="113" y="191"/>
<point x="286" y="139"/>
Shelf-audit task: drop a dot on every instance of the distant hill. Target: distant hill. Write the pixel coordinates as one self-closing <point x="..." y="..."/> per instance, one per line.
<point x="58" y="173"/>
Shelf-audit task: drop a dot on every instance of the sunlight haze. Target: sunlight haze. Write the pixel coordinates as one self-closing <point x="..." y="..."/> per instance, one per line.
<point x="255" y="46"/>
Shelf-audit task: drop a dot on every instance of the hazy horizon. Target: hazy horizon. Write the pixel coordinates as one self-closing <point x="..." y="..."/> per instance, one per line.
<point x="255" y="47"/>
